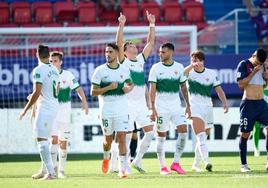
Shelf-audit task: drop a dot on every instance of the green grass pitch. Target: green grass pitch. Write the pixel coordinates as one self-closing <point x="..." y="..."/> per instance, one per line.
<point x="85" y="171"/>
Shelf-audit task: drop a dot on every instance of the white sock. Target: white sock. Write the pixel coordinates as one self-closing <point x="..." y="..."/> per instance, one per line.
<point x="45" y="155"/>
<point x="62" y="159"/>
<point x="54" y="154"/>
<point x="106" y="155"/>
<point x="160" y="150"/>
<point x="197" y="157"/>
<point x="128" y="140"/>
<point x="144" y="146"/>
<point x="114" y="156"/>
<point x="180" y="145"/>
<point x="202" y="146"/>
<point x="123" y="162"/>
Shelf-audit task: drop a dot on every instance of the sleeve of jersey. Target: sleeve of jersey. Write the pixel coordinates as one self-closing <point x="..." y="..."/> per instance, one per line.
<point x="74" y="83"/>
<point x="96" y="78"/>
<point x="183" y="77"/>
<point x="38" y="77"/>
<point x="152" y="75"/>
<point x="216" y="81"/>
<point x="141" y="58"/>
<point x="241" y="71"/>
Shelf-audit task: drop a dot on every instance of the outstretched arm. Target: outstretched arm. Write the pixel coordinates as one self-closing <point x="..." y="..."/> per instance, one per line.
<point x="222" y="97"/>
<point x="119" y="37"/>
<point x="151" y="36"/>
<point x="83" y="98"/>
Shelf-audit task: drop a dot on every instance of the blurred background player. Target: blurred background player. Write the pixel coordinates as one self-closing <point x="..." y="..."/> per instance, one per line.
<point x="110" y="82"/>
<point x="138" y="109"/>
<point x="200" y="82"/>
<point x="45" y="93"/>
<point x="166" y="79"/>
<point x="61" y="126"/>
<point x="251" y="77"/>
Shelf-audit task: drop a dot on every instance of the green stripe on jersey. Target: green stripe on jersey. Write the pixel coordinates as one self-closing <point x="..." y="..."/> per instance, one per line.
<point x="137" y="78"/>
<point x="115" y="92"/>
<point x="168" y="85"/>
<point x="201" y="89"/>
<point x="64" y="95"/>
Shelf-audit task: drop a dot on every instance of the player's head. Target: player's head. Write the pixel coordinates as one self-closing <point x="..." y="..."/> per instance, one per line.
<point x="197" y="58"/>
<point x="111" y="52"/>
<point x="42" y="52"/>
<point x="56" y="58"/>
<point x="130" y="49"/>
<point x="259" y="56"/>
<point x="166" y="51"/>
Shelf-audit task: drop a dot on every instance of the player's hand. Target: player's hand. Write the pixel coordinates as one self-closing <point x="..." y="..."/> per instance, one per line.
<point x="22" y="114"/>
<point x="150" y="17"/>
<point x="29" y="96"/>
<point x="85" y="108"/>
<point x="127" y="87"/>
<point x="113" y="85"/>
<point x="257" y="68"/>
<point x="225" y="108"/>
<point x="122" y="19"/>
<point x="153" y="114"/>
<point x="188" y="112"/>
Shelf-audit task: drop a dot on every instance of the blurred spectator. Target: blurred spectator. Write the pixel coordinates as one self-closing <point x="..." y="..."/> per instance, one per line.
<point x="259" y="18"/>
<point x="108" y="5"/>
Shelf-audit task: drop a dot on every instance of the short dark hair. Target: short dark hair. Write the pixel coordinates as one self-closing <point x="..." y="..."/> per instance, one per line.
<point x="261" y="55"/>
<point x="127" y="43"/>
<point x="168" y="46"/>
<point x="113" y="46"/>
<point x="57" y="54"/>
<point x="42" y="51"/>
<point x="198" y="54"/>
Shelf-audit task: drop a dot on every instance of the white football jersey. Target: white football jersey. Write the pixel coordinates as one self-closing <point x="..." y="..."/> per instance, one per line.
<point x="136" y="68"/>
<point x="168" y="79"/>
<point x="48" y="76"/>
<point x="200" y="85"/>
<point x="112" y="103"/>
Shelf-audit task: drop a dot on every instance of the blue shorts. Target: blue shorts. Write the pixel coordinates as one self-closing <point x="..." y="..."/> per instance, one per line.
<point x="252" y="111"/>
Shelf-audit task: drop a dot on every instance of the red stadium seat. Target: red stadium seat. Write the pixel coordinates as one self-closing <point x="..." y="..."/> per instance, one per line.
<point x="153" y="8"/>
<point x="43" y="15"/>
<point x="37" y="5"/>
<point x="64" y="11"/>
<point x="131" y="11"/>
<point x="86" y="12"/>
<point x="30" y="25"/>
<point x="16" y="5"/>
<point x="4" y="15"/>
<point x="8" y="25"/>
<point x="194" y="14"/>
<point x="22" y="15"/>
<point x="172" y="12"/>
<point x="52" y="25"/>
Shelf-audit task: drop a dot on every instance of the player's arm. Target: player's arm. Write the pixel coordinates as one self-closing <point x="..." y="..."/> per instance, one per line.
<point x="82" y="96"/>
<point x="119" y="37"/>
<point x="222" y="97"/>
<point x="243" y="83"/>
<point x="150" y="37"/>
<point x="147" y="98"/>
<point x="97" y="90"/>
<point x="152" y="92"/>
<point x="188" y="69"/>
<point x="33" y="98"/>
<point x="185" y="94"/>
<point x="128" y="86"/>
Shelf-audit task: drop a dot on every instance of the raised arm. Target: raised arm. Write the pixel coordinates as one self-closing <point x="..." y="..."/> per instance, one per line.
<point x="222" y="97"/>
<point x="119" y="37"/>
<point x="83" y="98"/>
<point x="96" y="90"/>
<point x="188" y="69"/>
<point x="151" y="36"/>
<point x="243" y="83"/>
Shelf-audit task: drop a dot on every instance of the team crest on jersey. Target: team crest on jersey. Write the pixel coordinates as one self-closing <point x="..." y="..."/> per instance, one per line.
<point x="121" y="76"/>
<point x="207" y="79"/>
<point x="63" y="81"/>
<point x="176" y="73"/>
